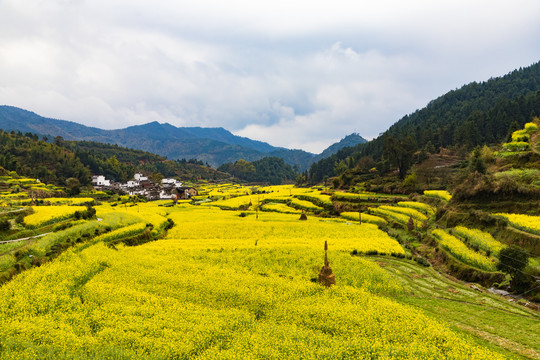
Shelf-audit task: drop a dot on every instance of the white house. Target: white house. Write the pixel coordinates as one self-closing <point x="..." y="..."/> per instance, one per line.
<point x="99" y="180"/>
<point x="132" y="183"/>
<point x="140" y="177"/>
<point x="166" y="195"/>
<point x="173" y="182"/>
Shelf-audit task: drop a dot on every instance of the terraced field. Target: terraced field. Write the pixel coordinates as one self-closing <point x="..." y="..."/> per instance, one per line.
<point x="237" y="278"/>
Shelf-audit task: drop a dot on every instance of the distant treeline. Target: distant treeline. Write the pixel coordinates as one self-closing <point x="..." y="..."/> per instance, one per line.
<point x="55" y="162"/>
<point x="271" y="170"/>
<point x="31" y="157"/>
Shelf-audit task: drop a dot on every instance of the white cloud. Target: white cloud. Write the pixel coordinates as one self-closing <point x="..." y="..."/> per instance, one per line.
<point x="297" y="74"/>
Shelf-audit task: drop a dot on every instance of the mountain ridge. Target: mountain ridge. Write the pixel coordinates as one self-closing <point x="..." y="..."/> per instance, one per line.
<point x="214" y="146"/>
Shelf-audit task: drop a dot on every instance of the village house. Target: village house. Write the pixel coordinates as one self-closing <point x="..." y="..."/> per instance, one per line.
<point x="171" y="182"/>
<point x="186" y="192"/>
<point x="99" y="180"/>
<point x="141" y="186"/>
<point x="140" y="177"/>
<point x="167" y="195"/>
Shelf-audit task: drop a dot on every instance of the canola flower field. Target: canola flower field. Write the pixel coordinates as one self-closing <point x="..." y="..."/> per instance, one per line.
<point x="438" y="194"/>
<point x="483" y="240"/>
<point x="527" y="223"/>
<point x="46" y="214"/>
<point x="354" y="216"/>
<point x="221" y="284"/>
<point x="408" y="211"/>
<point x="388" y="213"/>
<point x="210" y="228"/>
<point x="457" y="248"/>
<point x="424" y="208"/>
<point x="279" y="207"/>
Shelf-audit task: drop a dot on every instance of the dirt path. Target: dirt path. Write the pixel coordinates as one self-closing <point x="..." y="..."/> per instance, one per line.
<point x="12" y="211"/>
<point x="23" y="239"/>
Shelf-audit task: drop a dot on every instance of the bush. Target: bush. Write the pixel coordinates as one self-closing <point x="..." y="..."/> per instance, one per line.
<point x="513" y="260"/>
<point x="143" y="238"/>
<point x="422" y="261"/>
<point x="170" y="224"/>
<point x="5" y="225"/>
<point x="62" y="226"/>
<point x="19" y="219"/>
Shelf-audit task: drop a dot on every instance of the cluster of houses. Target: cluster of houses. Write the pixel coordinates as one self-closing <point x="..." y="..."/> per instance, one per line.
<point x="142" y="186"/>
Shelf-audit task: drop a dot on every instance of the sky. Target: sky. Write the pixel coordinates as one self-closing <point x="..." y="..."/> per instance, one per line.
<point x="293" y="73"/>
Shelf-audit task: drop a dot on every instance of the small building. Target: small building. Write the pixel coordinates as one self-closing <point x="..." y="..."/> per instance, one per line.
<point x="171" y="182"/>
<point x="186" y="192"/>
<point x="166" y="195"/>
<point x="99" y="180"/>
<point x="140" y="177"/>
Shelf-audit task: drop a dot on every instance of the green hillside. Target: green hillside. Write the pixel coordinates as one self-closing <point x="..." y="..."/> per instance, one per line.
<point x="476" y="114"/>
<point x="56" y="162"/>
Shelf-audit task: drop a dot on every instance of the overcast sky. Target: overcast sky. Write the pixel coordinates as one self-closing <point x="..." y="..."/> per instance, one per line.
<point x="298" y="74"/>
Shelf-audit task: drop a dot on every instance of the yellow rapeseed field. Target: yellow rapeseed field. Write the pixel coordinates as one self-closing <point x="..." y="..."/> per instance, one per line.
<point x="523" y="222"/>
<point x="282" y="208"/>
<point x="482" y="239"/>
<point x="439" y="194"/>
<point x="210" y="228"/>
<point x="220" y="286"/>
<point x="457" y="248"/>
<point x="161" y="300"/>
<point x="47" y="214"/>
<point x="365" y="218"/>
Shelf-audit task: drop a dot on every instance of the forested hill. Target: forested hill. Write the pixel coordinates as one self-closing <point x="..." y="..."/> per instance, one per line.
<point x="476" y="114"/>
<point x="214" y="146"/>
<point x="56" y="162"/>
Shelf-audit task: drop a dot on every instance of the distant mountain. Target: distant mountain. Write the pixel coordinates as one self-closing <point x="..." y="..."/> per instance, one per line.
<point x="348" y="141"/>
<point x="214" y="146"/>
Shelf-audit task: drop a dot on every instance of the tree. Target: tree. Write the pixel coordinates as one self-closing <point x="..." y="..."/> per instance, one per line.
<point x="242" y="168"/>
<point x="341" y="167"/>
<point x="156" y="177"/>
<point x="513" y="260"/>
<point x="410" y="183"/>
<point x="429" y="148"/>
<point x="476" y="162"/>
<point x="73" y="185"/>
<point x="5" y="225"/>
<point x="58" y="141"/>
<point x="514" y="126"/>
<point x="399" y="151"/>
<point x="365" y="164"/>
